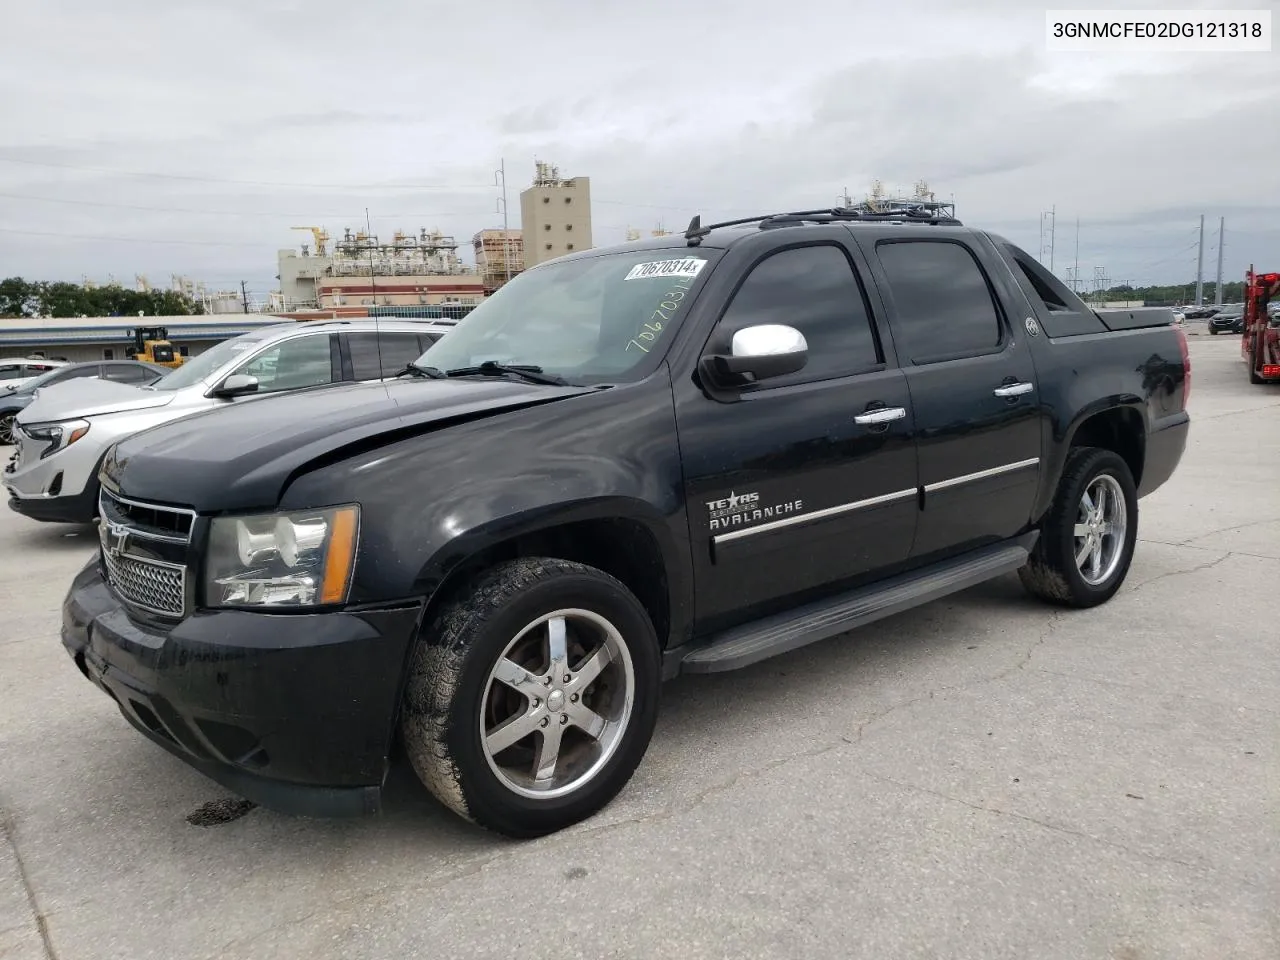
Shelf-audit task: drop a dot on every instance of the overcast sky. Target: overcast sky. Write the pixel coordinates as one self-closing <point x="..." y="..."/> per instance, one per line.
<point x="190" y="136"/>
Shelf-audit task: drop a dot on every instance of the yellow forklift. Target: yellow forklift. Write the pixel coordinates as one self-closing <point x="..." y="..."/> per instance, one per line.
<point x="151" y="345"/>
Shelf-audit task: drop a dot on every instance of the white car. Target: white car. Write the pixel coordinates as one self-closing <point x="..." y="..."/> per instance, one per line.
<point x="61" y="438"/>
<point x="15" y="371"/>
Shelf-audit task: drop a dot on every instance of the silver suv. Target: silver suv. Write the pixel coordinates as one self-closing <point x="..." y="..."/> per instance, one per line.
<point x="61" y="438"/>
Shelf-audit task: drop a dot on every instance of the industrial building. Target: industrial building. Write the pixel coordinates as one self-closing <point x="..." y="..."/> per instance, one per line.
<point x="499" y="256"/>
<point x="362" y="271"/>
<point x="555" y="215"/>
<point x="81" y="339"/>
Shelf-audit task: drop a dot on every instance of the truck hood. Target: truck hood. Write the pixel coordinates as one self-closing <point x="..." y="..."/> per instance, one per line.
<point x="242" y="456"/>
<point x="90" y="398"/>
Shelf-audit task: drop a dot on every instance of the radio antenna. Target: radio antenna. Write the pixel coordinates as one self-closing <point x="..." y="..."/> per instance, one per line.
<point x="373" y="286"/>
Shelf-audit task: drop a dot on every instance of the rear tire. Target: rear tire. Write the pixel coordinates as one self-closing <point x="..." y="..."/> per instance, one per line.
<point x="6" y="428"/>
<point x="531" y="698"/>
<point x="1087" y="538"/>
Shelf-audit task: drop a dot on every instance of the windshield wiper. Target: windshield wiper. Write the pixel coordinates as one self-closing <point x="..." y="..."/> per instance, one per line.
<point x="431" y="373"/>
<point x="525" y="371"/>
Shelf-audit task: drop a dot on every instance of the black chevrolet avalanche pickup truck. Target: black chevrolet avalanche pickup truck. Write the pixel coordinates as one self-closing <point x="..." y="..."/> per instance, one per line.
<point x="684" y="454"/>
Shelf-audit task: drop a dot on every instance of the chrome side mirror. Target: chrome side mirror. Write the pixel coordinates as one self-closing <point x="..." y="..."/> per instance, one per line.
<point x="236" y="385"/>
<point x="758" y="353"/>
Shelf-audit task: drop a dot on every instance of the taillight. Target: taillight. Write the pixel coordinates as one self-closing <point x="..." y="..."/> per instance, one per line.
<point x="1186" y="365"/>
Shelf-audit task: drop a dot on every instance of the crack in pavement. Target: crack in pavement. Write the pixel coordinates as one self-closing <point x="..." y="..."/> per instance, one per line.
<point x="42" y="925"/>
<point x="1239" y="526"/>
<point x="1201" y="868"/>
<point x="1191" y="546"/>
<point x="677" y="808"/>
<point x="465" y="868"/>
<point x="1172" y="694"/>
<point x="1178" y="573"/>
<point x="1236" y="413"/>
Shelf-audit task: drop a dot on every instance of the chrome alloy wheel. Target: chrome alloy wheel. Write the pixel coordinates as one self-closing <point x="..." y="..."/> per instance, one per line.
<point x="1101" y="525"/>
<point x="557" y="704"/>
<point x="6" y="428"/>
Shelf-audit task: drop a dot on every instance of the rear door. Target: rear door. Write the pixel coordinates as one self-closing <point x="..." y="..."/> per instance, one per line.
<point x="385" y="353"/>
<point x="973" y="388"/>
<point x="803" y="484"/>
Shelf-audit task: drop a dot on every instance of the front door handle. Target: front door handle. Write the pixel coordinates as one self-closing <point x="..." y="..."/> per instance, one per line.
<point x="881" y="415"/>
<point x="1014" y="389"/>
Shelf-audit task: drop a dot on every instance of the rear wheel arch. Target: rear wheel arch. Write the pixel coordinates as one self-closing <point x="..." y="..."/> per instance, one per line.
<point x="1121" y="430"/>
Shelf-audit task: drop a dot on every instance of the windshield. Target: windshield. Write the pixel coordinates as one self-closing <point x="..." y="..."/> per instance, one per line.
<point x="198" y="368"/>
<point x="32" y="385"/>
<point x="595" y="320"/>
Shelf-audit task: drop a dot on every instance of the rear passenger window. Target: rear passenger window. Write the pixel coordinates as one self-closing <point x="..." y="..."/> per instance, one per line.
<point x="377" y="355"/>
<point x="815" y="290"/>
<point x="398" y="351"/>
<point x="943" y="306"/>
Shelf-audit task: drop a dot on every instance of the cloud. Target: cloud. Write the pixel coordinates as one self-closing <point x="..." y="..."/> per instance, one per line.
<point x="263" y="116"/>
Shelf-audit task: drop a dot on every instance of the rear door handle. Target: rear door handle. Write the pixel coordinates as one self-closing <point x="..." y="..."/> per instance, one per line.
<point x="1014" y="389"/>
<point x="881" y="415"/>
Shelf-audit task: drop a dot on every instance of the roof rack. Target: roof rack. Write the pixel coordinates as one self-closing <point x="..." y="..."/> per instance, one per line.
<point x="922" y="212"/>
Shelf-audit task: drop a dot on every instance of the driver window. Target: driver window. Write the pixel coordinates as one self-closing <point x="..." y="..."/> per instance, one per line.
<point x="293" y="364"/>
<point x="815" y="290"/>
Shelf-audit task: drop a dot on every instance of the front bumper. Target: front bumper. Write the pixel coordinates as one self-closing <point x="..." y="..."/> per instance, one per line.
<point x="60" y="489"/>
<point x="78" y="508"/>
<point x="295" y="712"/>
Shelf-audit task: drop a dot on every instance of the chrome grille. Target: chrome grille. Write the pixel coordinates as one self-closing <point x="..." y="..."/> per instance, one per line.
<point x="144" y="552"/>
<point x="150" y="584"/>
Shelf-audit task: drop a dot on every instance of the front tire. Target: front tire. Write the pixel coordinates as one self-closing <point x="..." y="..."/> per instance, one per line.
<point x="531" y="699"/>
<point x="6" y="428"/>
<point x="1087" y="538"/>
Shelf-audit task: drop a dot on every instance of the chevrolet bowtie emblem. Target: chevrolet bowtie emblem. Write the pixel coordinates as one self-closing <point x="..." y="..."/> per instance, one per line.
<point x="117" y="536"/>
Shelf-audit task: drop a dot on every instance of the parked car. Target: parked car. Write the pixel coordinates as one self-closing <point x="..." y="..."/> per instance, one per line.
<point x="15" y="371"/>
<point x="61" y="438"/>
<point x="14" y="399"/>
<point x="683" y="454"/>
<point x="1228" y="319"/>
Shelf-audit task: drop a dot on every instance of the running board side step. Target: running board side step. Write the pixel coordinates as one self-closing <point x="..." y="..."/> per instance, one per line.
<point x="780" y="633"/>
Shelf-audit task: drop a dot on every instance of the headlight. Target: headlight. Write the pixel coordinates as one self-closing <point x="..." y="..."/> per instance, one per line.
<point x="300" y="559"/>
<point x="58" y="436"/>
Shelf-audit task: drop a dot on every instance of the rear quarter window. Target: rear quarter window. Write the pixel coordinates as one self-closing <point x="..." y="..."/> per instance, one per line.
<point x="1061" y="313"/>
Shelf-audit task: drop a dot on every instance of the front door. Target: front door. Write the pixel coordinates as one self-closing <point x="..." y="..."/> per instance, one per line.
<point x="973" y="388"/>
<point x="804" y="484"/>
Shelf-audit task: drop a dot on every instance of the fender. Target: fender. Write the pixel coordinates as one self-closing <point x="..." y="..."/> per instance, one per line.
<point x="445" y="495"/>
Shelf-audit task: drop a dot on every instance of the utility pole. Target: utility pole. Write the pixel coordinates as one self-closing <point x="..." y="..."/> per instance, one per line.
<point x="1075" y="271"/>
<point x="244" y="297"/>
<point x="1048" y="225"/>
<point x="1200" y="266"/>
<point x="1217" y="288"/>
<point x="500" y="180"/>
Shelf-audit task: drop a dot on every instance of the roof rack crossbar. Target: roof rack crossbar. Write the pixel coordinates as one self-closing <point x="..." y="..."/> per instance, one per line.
<point x="910" y="214"/>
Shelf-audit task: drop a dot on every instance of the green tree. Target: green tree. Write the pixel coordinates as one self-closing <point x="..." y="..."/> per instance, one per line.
<point x="18" y="298"/>
<point x="24" y="298"/>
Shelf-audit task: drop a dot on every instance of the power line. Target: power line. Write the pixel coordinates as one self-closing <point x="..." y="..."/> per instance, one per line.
<point x="81" y="236"/>
<point x="228" y="213"/>
<point x="192" y="178"/>
<point x="152" y="175"/>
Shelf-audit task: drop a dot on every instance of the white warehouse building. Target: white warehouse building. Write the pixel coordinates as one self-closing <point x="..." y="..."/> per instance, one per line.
<point x="81" y="339"/>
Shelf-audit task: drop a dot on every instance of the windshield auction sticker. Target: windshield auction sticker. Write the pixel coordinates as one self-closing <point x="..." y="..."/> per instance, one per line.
<point x="685" y="267"/>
